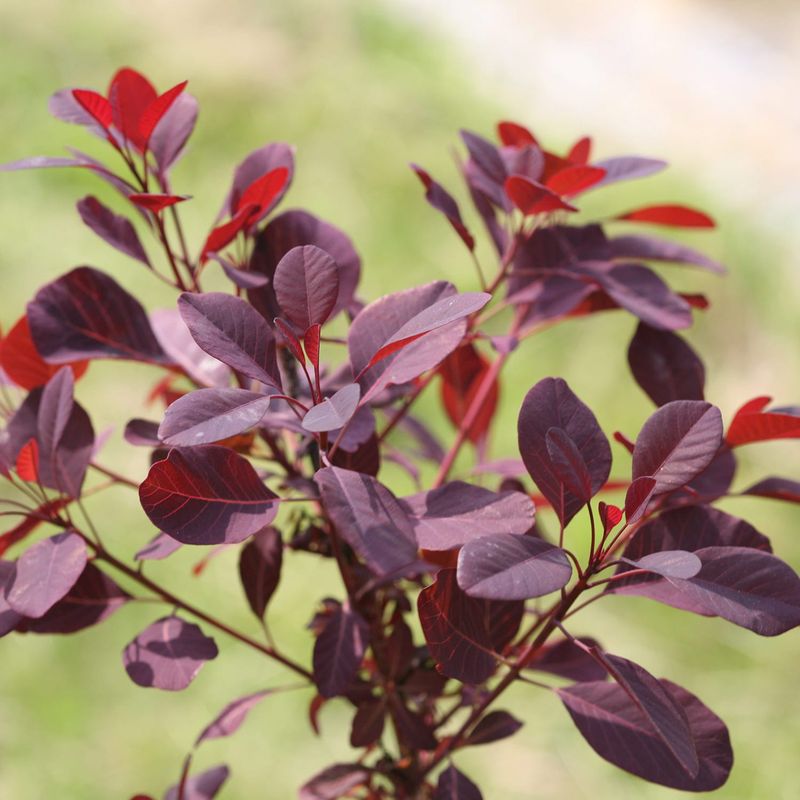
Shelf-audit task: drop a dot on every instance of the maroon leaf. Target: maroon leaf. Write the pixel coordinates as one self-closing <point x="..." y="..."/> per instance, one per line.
<point x="777" y="488"/>
<point x="87" y="314"/>
<point x="627" y="168"/>
<point x="637" y="497"/>
<point x="752" y="424"/>
<point x="665" y="366"/>
<point x="173" y="130"/>
<point x="229" y="329"/>
<point x="168" y="654"/>
<point x="669" y="563"/>
<point x="207" y="495"/>
<point x="458" y="512"/>
<point x="306" y="285"/>
<point x="455" y="785"/>
<point x="260" y="568"/>
<point x="158" y="547"/>
<point x="333" y="412"/>
<point x="442" y="201"/>
<point x="230" y="719"/>
<point x="567" y="660"/>
<point x="112" y="228"/>
<point x="672" y="215"/>
<point x="338" y="651"/>
<point x="9" y="619"/>
<point x="45" y="572"/>
<point x="204" y="786"/>
<point x="505" y="566"/>
<point x="311" y="341"/>
<point x="651" y="248"/>
<point x="210" y="415"/>
<point x="496" y="725"/>
<point x="485" y="156"/>
<point x="619" y="731"/>
<point x="368" y="723"/>
<point x="677" y="443"/>
<point x="369" y="518"/>
<point x="568" y="464"/>
<point x="334" y="782"/>
<point x="551" y="404"/>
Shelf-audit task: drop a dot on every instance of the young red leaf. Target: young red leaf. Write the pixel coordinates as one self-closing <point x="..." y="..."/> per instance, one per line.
<point x="168" y="654"/>
<point x="512" y="134"/>
<point x="260" y="568"/>
<point x="671" y="215"/>
<point x="224" y="234"/>
<point x="306" y="285"/>
<point x="311" y="341"/>
<point x="580" y="152"/>
<point x="338" y="651"/>
<point x="204" y="786"/>
<point x="505" y="566"/>
<point x="87" y="314"/>
<point x="264" y="191"/>
<point x="95" y="104"/>
<point x="155" y="111"/>
<point x="130" y="95"/>
<point x="207" y="495"/>
<point x="230" y="719"/>
<point x="677" y="443"/>
<point x="157" y="202"/>
<point x="637" y="497"/>
<point x="46" y="571"/>
<point x="333" y="412"/>
<point x="112" y="228"/>
<point x="455" y="785"/>
<point x="258" y="164"/>
<point x="574" y="180"/>
<point x="532" y="197"/>
<point x="752" y="424"/>
<point x="27" y="466"/>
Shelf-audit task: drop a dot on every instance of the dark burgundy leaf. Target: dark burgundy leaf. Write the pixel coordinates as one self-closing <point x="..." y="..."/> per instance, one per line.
<point x="637" y="497"/>
<point x="442" y="201"/>
<point x="413" y="730"/>
<point x="495" y="726"/>
<point x="551" y="404"/>
<point x="141" y="433"/>
<point x="207" y="495"/>
<point x="651" y="248"/>
<point x="112" y="228"/>
<point x="243" y="278"/>
<point x="618" y="731"/>
<point x="260" y="568"/>
<point x="45" y="572"/>
<point x="368" y="723"/>
<point x="672" y="215"/>
<point x="204" y="786"/>
<point x="87" y="314"/>
<point x="168" y="654"/>
<point x="9" y="619"/>
<point x="306" y="285"/>
<point x="230" y="719"/>
<point x="568" y="464"/>
<point x="458" y="512"/>
<point x="777" y="488"/>
<point x="338" y="651"/>
<point x="157" y="548"/>
<point x="334" y="782"/>
<point x="365" y="459"/>
<point x="714" y="481"/>
<point x="172" y="131"/>
<point x="669" y="563"/>
<point x="505" y="566"/>
<point x="229" y="329"/>
<point x="455" y="785"/>
<point x="333" y="412"/>
<point x="93" y="598"/>
<point x="627" y="168"/>
<point x="567" y="660"/>
<point x="677" y="443"/>
<point x="369" y="518"/>
<point x="485" y="156"/>
<point x="210" y="415"/>
<point x="55" y="410"/>
<point x="665" y="366"/>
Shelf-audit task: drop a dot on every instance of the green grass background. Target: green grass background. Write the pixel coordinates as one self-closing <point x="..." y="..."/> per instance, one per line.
<point x="361" y="94"/>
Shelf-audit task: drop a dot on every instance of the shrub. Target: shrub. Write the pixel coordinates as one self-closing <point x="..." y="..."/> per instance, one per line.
<point x="257" y="419"/>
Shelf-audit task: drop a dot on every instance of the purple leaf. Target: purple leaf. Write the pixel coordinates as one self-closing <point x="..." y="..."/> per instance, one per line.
<point x="112" y="228"/>
<point x="505" y="566"/>
<point x="210" y="415"/>
<point x="567" y="660"/>
<point x="168" y="654"/>
<point x="296" y="228"/>
<point x="552" y="404"/>
<point x="677" y="443"/>
<point x="669" y="563"/>
<point x="9" y="619"/>
<point x="45" y="572"/>
<point x="258" y="164"/>
<point x="243" y="278"/>
<point x="93" y="598"/>
<point x="458" y="512"/>
<point x="204" y="786"/>
<point x="485" y="155"/>
<point x="333" y="412"/>
<point x="455" y="785"/>
<point x="260" y="568"/>
<point x="495" y="726"/>
<point x="207" y="495"/>
<point x="141" y="433"/>
<point x="55" y="409"/>
<point x="369" y="518"/>
<point x="626" y="168"/>
<point x="230" y="719"/>
<point x="87" y="314"/>
<point x="745" y="586"/>
<point x="158" y="547"/>
<point x="568" y="464"/>
<point x="334" y="782"/>
<point x="232" y="331"/>
<point x="777" y="488"/>
<point x="338" y="651"/>
<point x="368" y="723"/>
<point x="464" y="632"/>
<point x="41" y="162"/>
<point x="651" y="248"/>
<point x="637" y="497"/>
<point x="665" y="366"/>
<point x="306" y="284"/>
<point x="172" y="131"/>
<point x="618" y="730"/>
<point x="442" y="201"/>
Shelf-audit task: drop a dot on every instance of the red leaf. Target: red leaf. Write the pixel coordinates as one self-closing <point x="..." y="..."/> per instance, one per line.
<point x="130" y="95"/>
<point x="224" y="234"/>
<point x="462" y="374"/>
<point x="28" y="462"/>
<point x="21" y="361"/>
<point x="292" y="342"/>
<point x="95" y="104"/>
<point x="263" y="191"/>
<point x="752" y="424"/>
<point x="531" y="197"/>
<point x="157" y="202"/>
<point x="581" y="151"/>
<point x="673" y="215"/>
<point x="156" y="110"/>
<point x="513" y="135"/>
<point x="311" y="342"/>
<point x="575" y="179"/>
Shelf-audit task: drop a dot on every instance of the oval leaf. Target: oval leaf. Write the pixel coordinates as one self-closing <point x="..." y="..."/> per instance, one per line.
<point x="260" y="568"/>
<point x="333" y="412"/>
<point x="306" y="284"/>
<point x="118" y="231"/>
<point x="338" y="651"/>
<point x="230" y="719"/>
<point x="455" y="785"/>
<point x="669" y="563"/>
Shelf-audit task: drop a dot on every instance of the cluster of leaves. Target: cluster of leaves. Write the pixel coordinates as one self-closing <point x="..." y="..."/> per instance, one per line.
<point x="255" y="419"/>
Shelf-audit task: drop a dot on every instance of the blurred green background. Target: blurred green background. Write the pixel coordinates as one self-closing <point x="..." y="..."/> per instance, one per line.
<point x="362" y="88"/>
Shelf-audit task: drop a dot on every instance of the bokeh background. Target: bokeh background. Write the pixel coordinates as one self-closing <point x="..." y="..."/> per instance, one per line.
<point x="362" y="88"/>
